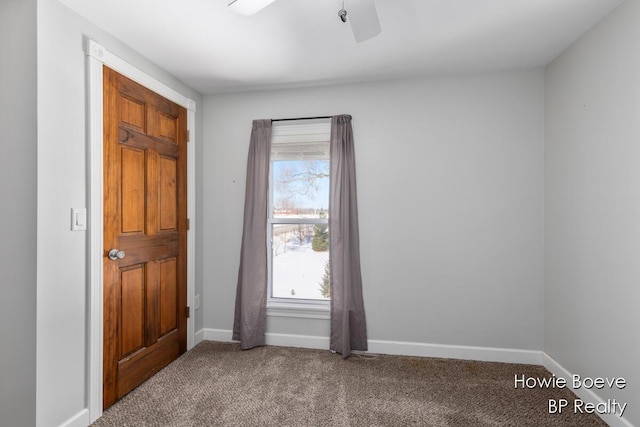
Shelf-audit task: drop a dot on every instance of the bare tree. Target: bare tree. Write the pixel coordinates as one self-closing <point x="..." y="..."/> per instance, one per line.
<point x="302" y="232"/>
<point x="303" y="180"/>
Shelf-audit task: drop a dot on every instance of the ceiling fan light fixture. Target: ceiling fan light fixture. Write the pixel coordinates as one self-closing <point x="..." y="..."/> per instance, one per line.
<point x="249" y="7"/>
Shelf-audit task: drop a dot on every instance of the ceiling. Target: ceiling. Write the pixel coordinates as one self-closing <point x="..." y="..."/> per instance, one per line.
<point x="293" y="43"/>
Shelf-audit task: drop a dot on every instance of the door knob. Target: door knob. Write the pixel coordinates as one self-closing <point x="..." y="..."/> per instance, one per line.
<point x="115" y="254"/>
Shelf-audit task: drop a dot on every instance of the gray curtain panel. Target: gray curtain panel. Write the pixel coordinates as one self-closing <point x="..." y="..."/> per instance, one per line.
<point x="348" y="325"/>
<point x="251" y="294"/>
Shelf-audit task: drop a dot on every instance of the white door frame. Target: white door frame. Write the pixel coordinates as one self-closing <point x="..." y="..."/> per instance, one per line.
<point x="97" y="56"/>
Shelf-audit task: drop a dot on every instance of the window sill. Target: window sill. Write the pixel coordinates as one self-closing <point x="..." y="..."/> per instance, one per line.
<point x="304" y="310"/>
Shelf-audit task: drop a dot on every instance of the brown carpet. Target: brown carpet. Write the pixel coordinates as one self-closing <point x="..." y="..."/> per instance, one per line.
<point x="217" y="384"/>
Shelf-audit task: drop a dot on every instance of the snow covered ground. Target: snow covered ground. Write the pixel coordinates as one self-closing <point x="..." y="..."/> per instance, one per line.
<point x="298" y="271"/>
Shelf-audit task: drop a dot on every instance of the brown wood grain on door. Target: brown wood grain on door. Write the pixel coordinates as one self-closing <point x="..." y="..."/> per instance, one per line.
<point x="145" y="195"/>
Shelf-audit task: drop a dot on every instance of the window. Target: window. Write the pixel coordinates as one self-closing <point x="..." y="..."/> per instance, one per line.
<point x="263" y="212"/>
<point x="297" y="223"/>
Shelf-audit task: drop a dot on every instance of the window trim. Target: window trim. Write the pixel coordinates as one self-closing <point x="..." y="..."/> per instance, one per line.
<point x="307" y="309"/>
<point x="315" y="130"/>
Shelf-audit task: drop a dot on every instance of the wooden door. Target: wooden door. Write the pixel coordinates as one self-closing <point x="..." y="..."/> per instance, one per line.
<point x="145" y="292"/>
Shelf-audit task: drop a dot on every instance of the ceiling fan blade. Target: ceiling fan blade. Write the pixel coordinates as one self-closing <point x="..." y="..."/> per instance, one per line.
<point x="364" y="19"/>
<point x="248" y="7"/>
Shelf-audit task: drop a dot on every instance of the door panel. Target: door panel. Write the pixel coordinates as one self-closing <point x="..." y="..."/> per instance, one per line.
<point x="167" y="128"/>
<point x="168" y="289"/>
<point x="145" y="323"/>
<point x="133" y="190"/>
<point x="168" y="194"/>
<point x="132" y="112"/>
<point x="131" y="310"/>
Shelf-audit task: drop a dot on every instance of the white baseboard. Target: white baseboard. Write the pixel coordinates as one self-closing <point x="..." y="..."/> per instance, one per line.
<point x="302" y="341"/>
<point x="81" y="419"/>
<point x="220" y="335"/>
<point x="280" y="340"/>
<point x="485" y="354"/>
<point x="584" y="394"/>
<point x="198" y="337"/>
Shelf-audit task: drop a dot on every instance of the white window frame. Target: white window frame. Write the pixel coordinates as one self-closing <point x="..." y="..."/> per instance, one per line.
<point x="281" y="132"/>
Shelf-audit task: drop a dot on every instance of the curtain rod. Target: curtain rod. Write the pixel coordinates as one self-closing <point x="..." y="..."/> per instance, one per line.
<point x="301" y="118"/>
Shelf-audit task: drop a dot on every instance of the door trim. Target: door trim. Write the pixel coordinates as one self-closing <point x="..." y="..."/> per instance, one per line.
<point x="97" y="56"/>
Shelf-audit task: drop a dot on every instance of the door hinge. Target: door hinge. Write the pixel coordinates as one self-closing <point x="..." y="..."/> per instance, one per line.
<point x="188" y="223"/>
<point x="188" y="312"/>
<point x="188" y="136"/>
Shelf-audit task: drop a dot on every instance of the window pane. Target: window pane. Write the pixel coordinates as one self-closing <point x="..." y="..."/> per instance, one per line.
<point x="300" y="261"/>
<point x="300" y="188"/>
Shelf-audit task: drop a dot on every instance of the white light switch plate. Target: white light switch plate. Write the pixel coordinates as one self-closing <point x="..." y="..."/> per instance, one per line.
<point x="78" y="219"/>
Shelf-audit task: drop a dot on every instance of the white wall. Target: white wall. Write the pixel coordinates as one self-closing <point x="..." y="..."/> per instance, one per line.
<point x="18" y="213"/>
<point x="62" y="185"/>
<point x="450" y="186"/>
<point x="592" y="205"/>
